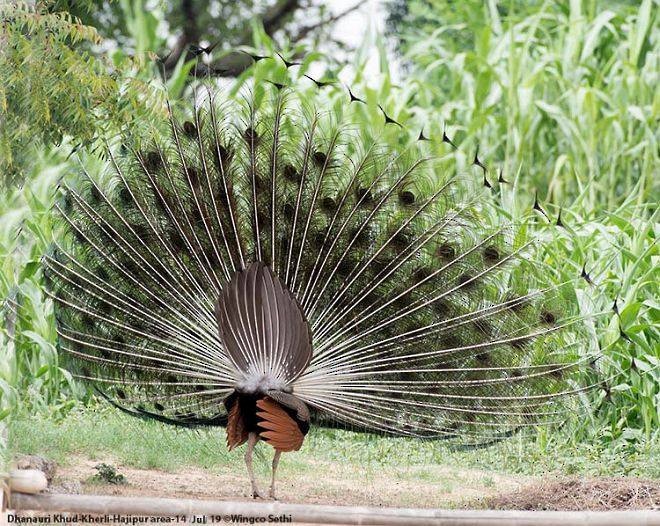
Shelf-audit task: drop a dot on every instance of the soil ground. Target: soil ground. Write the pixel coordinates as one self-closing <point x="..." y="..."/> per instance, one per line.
<point x="325" y="483"/>
<point x="336" y="484"/>
<point x="575" y="494"/>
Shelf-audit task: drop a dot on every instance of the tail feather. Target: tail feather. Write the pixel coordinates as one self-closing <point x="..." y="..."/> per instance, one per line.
<point x="426" y="321"/>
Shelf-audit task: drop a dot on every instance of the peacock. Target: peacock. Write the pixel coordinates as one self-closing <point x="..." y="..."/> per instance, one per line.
<point x="267" y="266"/>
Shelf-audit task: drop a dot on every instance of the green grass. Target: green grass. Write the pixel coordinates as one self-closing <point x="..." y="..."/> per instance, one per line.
<point x="102" y="432"/>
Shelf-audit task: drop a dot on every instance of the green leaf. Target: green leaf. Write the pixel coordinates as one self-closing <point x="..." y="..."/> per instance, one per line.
<point x="629" y="313"/>
<point x="42" y="370"/>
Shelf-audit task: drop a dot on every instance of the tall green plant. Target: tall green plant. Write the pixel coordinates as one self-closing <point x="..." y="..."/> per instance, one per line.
<point x="564" y="94"/>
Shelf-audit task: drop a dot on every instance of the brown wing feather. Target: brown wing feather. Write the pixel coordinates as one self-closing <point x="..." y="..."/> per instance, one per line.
<point x="279" y="429"/>
<point x="236" y="432"/>
<point x="291" y="402"/>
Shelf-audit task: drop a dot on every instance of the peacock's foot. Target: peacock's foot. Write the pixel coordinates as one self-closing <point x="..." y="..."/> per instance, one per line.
<point x="256" y="494"/>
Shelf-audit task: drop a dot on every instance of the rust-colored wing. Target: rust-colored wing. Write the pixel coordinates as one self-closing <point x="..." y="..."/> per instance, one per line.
<point x="292" y="402"/>
<point x="279" y="429"/>
<point x="236" y="432"/>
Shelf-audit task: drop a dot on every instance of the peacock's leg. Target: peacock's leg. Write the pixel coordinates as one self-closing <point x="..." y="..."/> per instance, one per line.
<point x="276" y="460"/>
<point x="253" y="438"/>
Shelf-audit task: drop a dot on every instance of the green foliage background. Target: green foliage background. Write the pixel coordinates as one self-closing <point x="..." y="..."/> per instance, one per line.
<point x="561" y="96"/>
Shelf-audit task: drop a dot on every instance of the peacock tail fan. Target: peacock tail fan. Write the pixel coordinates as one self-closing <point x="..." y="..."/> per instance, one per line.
<point x="425" y="319"/>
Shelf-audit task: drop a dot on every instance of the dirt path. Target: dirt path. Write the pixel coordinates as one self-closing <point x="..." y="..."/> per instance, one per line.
<point x="316" y="482"/>
<point x="323" y="483"/>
